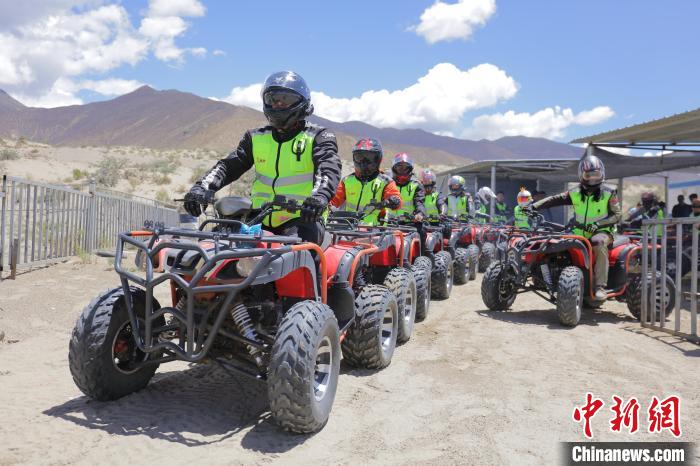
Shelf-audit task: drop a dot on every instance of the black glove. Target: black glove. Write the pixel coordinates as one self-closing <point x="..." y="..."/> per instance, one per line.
<point x="528" y="209"/>
<point x="391" y="202"/>
<point x="591" y="228"/>
<point x="195" y="199"/>
<point x="312" y="209"/>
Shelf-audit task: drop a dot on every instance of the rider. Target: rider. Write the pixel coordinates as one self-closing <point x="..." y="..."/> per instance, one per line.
<point x="291" y="157"/>
<point x="520" y="218"/>
<point x="597" y="212"/>
<point x="412" y="193"/>
<point x="484" y="195"/>
<point x="650" y="210"/>
<point x="368" y="183"/>
<point x="501" y="209"/>
<point x="435" y="204"/>
<point x="457" y="200"/>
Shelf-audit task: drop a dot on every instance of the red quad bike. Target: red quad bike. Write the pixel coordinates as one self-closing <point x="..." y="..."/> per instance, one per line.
<point x="558" y="266"/>
<point x="267" y="306"/>
<point x="474" y="237"/>
<point x="435" y="258"/>
<point x="462" y="262"/>
<point x="377" y="255"/>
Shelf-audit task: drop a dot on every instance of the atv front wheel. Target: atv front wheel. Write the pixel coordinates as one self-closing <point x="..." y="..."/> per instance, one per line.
<point x="370" y="342"/>
<point x="422" y="277"/>
<point x="103" y="357"/>
<point x="570" y="290"/>
<point x="304" y="366"/>
<point x="401" y="282"/>
<point x="473" y="250"/>
<point x="443" y="272"/>
<point x="498" y="287"/>
<point x="461" y="266"/>
<point x="487" y="257"/>
<point x="424" y="262"/>
<point x="633" y="296"/>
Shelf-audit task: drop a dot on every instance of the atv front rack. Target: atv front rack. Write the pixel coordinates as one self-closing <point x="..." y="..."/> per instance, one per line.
<point x="194" y="332"/>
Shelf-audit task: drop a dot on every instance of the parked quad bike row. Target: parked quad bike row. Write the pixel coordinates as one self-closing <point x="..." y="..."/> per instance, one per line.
<point x="556" y="264"/>
<point x="269" y="306"/>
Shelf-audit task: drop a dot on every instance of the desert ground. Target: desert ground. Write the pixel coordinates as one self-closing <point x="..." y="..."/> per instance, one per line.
<point x="470" y="387"/>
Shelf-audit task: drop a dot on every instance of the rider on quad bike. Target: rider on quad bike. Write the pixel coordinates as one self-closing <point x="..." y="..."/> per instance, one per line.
<point x="458" y="204"/>
<point x="520" y="219"/>
<point x="650" y="210"/>
<point x="484" y="197"/>
<point x="435" y="202"/>
<point x="412" y="193"/>
<point x="367" y="184"/>
<point x="597" y="212"/>
<point x="291" y="157"/>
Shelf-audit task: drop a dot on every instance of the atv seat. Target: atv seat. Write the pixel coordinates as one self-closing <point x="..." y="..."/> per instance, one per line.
<point x="326" y="241"/>
<point x="233" y="206"/>
<point x="619" y="240"/>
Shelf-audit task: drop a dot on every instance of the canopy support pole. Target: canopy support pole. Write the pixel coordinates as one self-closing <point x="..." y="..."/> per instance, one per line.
<point x="621" y="194"/>
<point x="666" y="192"/>
<point x="493" y="188"/>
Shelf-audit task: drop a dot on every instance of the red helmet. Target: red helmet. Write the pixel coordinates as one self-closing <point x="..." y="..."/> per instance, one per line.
<point x="367" y="156"/>
<point x="402" y="168"/>
<point x="428" y="178"/>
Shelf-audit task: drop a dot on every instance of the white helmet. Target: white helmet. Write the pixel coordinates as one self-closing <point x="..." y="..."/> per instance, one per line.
<point x="524" y="197"/>
<point x="485" y="194"/>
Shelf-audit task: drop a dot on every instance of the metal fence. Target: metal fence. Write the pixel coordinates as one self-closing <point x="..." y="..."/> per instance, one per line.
<point x="672" y="251"/>
<point x="42" y="223"/>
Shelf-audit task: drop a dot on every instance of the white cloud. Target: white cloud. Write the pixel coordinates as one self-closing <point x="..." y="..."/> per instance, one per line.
<point x="449" y="134"/>
<point x="451" y="21"/>
<point x="219" y="53"/>
<point x="549" y="123"/>
<point x="67" y="40"/>
<point x="436" y="100"/>
<point x="111" y="87"/>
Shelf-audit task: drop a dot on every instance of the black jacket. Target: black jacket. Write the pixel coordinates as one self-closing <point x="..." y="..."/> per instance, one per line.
<point x="327" y="163"/>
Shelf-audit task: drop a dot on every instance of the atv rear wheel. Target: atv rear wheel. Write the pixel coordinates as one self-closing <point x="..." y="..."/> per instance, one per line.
<point x="487" y="257"/>
<point x="370" y="342"/>
<point x="498" y="287"/>
<point x="473" y="250"/>
<point x="442" y="275"/>
<point x="425" y="263"/>
<point x="422" y="277"/>
<point x="633" y="296"/>
<point x="304" y="365"/>
<point x="461" y="266"/>
<point x="570" y="290"/>
<point x="103" y="357"/>
<point x="401" y="282"/>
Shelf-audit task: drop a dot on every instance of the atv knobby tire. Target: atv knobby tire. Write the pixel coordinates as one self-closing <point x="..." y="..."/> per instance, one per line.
<point x="497" y="288"/>
<point x="424" y="262"/>
<point x="370" y="342"/>
<point x="473" y="250"/>
<point x="461" y="266"/>
<point x="570" y="291"/>
<point x="487" y="256"/>
<point x="442" y="275"/>
<point x="633" y="296"/>
<point x="401" y="282"/>
<point x="422" y="277"/>
<point x="304" y="366"/>
<point x="101" y="327"/>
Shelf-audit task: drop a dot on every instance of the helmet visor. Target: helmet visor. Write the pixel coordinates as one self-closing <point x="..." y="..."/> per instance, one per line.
<point x="364" y="157"/>
<point x="592" y="176"/>
<point x="281" y="99"/>
<point x="402" y="168"/>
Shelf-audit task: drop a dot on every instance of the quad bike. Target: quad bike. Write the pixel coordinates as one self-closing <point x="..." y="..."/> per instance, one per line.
<point x="686" y="244"/>
<point x="478" y="240"/>
<point x="463" y="261"/>
<point x="267" y="306"/>
<point x="558" y="266"/>
<point x="434" y="258"/>
<point x="383" y="264"/>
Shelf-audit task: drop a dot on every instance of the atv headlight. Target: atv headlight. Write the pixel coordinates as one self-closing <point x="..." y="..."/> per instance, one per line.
<point x="245" y="265"/>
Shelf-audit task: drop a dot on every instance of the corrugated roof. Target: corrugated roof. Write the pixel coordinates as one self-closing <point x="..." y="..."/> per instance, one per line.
<point x="682" y="128"/>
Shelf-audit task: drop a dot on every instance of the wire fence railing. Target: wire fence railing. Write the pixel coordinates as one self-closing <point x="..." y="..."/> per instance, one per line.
<point x="41" y="223"/>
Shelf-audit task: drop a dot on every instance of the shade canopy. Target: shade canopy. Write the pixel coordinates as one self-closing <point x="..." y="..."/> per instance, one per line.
<point x="676" y="130"/>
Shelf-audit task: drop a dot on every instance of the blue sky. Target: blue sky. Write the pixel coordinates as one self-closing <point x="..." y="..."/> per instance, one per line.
<point x="557" y="69"/>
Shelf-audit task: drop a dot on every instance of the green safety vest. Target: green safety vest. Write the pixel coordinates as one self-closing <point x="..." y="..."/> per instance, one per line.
<point x="457" y="205"/>
<point x="521" y="220"/>
<point x="500" y="210"/>
<point x="408" y="192"/>
<point x="659" y="228"/>
<point x="431" y="207"/>
<point x="587" y="210"/>
<point x="359" y="193"/>
<point x="482" y="210"/>
<point x="282" y="169"/>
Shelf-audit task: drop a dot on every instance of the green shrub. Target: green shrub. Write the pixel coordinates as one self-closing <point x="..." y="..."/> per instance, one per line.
<point x="197" y="173"/>
<point x="109" y="170"/>
<point x="78" y="174"/>
<point x="162" y="195"/>
<point x="162" y="179"/>
<point x="8" y="154"/>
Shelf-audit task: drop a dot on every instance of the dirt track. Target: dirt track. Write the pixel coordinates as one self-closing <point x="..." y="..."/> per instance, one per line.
<point x="470" y="387"/>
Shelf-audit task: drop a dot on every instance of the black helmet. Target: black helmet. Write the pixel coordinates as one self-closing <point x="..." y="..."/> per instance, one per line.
<point x="591" y="171"/>
<point x="286" y="99"/>
<point x="367" y="155"/>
